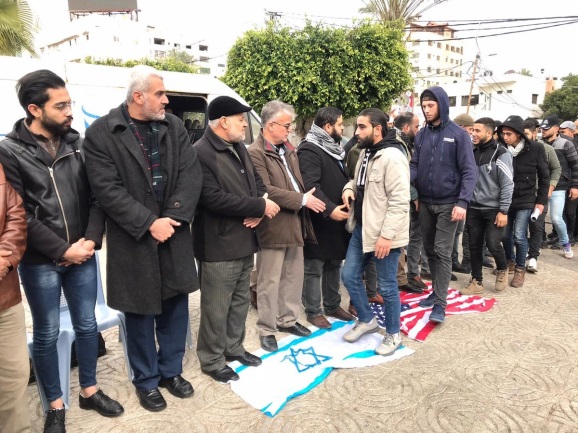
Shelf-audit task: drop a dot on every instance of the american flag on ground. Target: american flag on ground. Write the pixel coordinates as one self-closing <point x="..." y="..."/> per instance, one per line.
<point x="415" y="319"/>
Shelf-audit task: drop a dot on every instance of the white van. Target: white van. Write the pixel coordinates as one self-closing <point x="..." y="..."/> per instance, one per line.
<point x="95" y="89"/>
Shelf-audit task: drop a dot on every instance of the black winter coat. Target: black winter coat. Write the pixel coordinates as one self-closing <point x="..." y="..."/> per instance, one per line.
<point x="60" y="208"/>
<point x="141" y="272"/>
<point x="328" y="176"/>
<point x="531" y="161"/>
<point x="232" y="191"/>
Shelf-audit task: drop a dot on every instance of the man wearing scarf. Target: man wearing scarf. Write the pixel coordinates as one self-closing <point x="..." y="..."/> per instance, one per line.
<point x="146" y="176"/>
<point x="322" y="167"/>
<point x="379" y="221"/>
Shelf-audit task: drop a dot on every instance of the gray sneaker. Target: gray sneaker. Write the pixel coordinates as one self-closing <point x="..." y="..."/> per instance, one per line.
<point x="360" y="329"/>
<point x="389" y="344"/>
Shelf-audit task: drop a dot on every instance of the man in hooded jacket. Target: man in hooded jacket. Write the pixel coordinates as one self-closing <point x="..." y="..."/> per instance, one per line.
<point x="445" y="174"/>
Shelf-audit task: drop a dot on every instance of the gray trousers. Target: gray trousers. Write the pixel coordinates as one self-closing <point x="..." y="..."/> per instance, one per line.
<point x="322" y="278"/>
<point x="415" y="248"/>
<point x="14" y="371"/>
<point x="224" y="307"/>
<point x="279" y="288"/>
<point x="438" y="232"/>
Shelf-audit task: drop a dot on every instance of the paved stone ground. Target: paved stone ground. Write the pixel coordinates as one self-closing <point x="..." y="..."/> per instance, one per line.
<point x="512" y="369"/>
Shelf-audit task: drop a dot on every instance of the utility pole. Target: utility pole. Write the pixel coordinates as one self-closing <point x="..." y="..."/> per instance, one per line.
<point x="273" y="16"/>
<point x="473" y="80"/>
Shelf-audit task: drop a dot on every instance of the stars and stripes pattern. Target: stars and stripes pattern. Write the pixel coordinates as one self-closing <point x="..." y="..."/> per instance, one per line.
<point x="415" y="321"/>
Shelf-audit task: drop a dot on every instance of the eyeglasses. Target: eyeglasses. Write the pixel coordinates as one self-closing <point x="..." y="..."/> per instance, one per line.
<point x="287" y="126"/>
<point x="63" y="106"/>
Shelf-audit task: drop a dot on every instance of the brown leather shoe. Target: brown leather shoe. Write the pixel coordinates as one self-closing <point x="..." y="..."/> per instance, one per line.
<point x="341" y="314"/>
<point x="352" y="309"/>
<point x="320" y="321"/>
<point x="518" y="280"/>
<point x="378" y="299"/>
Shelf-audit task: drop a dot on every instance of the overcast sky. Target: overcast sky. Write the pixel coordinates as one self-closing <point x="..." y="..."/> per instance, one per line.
<point x="219" y="23"/>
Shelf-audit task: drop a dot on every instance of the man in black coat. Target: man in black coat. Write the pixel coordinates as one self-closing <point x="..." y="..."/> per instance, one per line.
<point x="147" y="178"/>
<point x="322" y="167"/>
<point x="232" y="203"/>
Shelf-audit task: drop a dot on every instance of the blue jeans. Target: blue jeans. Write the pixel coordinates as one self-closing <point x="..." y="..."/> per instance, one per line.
<point x="557" y="202"/>
<point x="42" y="284"/>
<point x="516" y="234"/>
<point x="386" y="268"/>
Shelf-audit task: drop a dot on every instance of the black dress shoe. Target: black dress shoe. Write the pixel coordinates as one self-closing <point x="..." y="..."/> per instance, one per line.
<point x="296" y="329"/>
<point x="269" y="343"/>
<point x="459" y="267"/>
<point x="178" y="386"/>
<point x="223" y="375"/>
<point x="101" y="403"/>
<point x="151" y="399"/>
<point x="55" y="421"/>
<point x="246" y="358"/>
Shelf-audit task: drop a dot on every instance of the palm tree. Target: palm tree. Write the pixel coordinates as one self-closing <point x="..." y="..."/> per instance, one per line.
<point x="17" y="28"/>
<point x="397" y="10"/>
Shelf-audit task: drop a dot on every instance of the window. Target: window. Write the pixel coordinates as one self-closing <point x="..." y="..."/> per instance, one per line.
<point x="429" y="56"/>
<point x="415" y="55"/>
<point x="508" y="91"/>
<point x="437" y="70"/>
<point x="177" y="45"/>
<point x="158" y="41"/>
<point x="534" y="98"/>
<point x="453" y="49"/>
<point x="203" y="59"/>
<point x="452" y="101"/>
<point x="439" y="44"/>
<point x="203" y="48"/>
<point x="473" y="101"/>
<point x="416" y="69"/>
<point x="116" y="39"/>
<point x="430" y="43"/>
<point x="415" y="43"/>
<point x="447" y="47"/>
<point x="438" y="58"/>
<point x="188" y="47"/>
<point x="429" y="68"/>
<point x="205" y="70"/>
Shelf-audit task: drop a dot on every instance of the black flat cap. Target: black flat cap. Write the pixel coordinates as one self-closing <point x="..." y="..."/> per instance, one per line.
<point x="226" y="106"/>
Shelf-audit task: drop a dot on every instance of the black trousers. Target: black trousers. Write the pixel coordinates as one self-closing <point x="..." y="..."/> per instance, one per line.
<point x="537" y="229"/>
<point x="481" y="226"/>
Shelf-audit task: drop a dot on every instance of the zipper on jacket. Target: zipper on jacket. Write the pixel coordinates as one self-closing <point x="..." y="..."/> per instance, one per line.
<point x="51" y="171"/>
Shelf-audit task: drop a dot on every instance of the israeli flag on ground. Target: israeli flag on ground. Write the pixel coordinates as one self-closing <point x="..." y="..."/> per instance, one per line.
<point x="301" y="363"/>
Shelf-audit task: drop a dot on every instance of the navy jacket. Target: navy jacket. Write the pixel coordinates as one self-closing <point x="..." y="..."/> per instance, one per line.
<point x="443" y="166"/>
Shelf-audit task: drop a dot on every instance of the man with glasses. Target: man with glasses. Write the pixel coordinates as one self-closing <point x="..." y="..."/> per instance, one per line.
<point x="280" y="265"/>
<point x="43" y="160"/>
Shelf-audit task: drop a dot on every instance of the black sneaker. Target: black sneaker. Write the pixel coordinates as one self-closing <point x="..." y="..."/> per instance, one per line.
<point x="459" y="267"/>
<point x="55" y="421"/>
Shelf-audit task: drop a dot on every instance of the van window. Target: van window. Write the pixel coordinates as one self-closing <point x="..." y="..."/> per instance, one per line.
<point x="254" y="128"/>
<point x="197" y="119"/>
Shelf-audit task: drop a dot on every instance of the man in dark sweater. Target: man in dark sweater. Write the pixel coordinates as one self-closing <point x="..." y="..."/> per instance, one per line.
<point x="444" y="172"/>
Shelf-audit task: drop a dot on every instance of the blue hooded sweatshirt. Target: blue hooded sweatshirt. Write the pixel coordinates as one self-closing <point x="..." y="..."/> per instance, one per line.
<point x="443" y="168"/>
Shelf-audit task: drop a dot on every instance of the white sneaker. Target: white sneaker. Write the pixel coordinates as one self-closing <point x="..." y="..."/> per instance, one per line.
<point x="360" y="329"/>
<point x="389" y="344"/>
<point x="568" y="253"/>
<point x="532" y="266"/>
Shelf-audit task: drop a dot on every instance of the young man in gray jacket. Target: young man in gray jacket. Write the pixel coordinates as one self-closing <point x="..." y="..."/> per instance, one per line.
<point x="488" y="211"/>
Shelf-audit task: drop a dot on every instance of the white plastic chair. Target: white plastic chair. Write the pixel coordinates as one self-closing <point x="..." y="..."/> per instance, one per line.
<point x="105" y="318"/>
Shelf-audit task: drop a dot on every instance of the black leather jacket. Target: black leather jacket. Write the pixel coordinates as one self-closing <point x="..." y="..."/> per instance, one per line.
<point x="60" y="208"/>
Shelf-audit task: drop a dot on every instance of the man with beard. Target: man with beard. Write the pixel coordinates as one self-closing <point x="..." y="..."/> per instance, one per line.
<point x="488" y="211"/>
<point x="232" y="204"/>
<point x="444" y="172"/>
<point x="43" y="160"/>
<point x="280" y="261"/>
<point x="147" y="178"/>
<point x="407" y="125"/>
<point x="322" y="167"/>
<point x="379" y="221"/>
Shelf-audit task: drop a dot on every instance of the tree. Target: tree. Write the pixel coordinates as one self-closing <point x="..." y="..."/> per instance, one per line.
<point x="564" y="101"/>
<point x="171" y="63"/>
<point x="318" y="66"/>
<point x="526" y="72"/>
<point x="17" y="28"/>
<point x="391" y="11"/>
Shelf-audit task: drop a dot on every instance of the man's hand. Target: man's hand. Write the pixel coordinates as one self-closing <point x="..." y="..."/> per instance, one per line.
<point x="347" y="197"/>
<point x="550" y="191"/>
<point x="382" y="247"/>
<point x="501" y="220"/>
<point x="573" y="193"/>
<point x="313" y="202"/>
<point x="77" y="253"/>
<point x="4" y="263"/>
<point x="89" y="245"/>
<point x="458" y="213"/>
<point x="251" y="222"/>
<point x="339" y="214"/>
<point x="416" y="203"/>
<point x="271" y="208"/>
<point x="162" y="228"/>
<point x="540" y="207"/>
